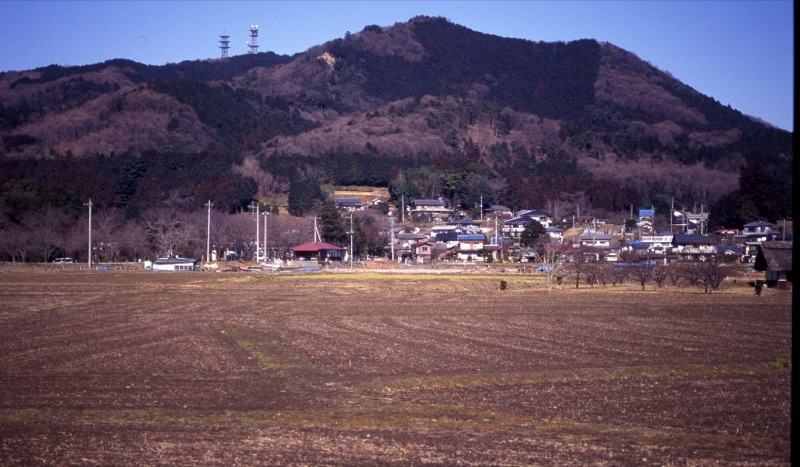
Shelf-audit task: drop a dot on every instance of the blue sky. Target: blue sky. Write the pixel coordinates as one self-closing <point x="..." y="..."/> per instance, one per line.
<point x="738" y="52"/>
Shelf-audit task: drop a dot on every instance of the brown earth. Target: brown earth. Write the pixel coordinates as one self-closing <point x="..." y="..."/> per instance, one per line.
<point x="124" y="368"/>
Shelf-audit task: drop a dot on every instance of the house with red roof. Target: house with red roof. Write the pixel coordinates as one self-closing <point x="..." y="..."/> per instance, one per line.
<point x="320" y="251"/>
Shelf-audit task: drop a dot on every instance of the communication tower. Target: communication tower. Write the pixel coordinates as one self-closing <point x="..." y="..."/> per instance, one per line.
<point x="253" y="44"/>
<point x="224" y="45"/>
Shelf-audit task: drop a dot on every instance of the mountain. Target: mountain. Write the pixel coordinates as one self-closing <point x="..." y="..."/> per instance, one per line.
<point x="425" y="107"/>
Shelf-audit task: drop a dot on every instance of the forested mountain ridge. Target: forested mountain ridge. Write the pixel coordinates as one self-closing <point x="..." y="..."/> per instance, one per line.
<point x="426" y="107"/>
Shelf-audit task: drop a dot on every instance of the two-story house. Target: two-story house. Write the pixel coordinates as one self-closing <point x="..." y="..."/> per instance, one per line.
<point x="513" y="228"/>
<point x="422" y="251"/>
<point x="470" y="246"/>
<point x="752" y="235"/>
<point x="592" y="239"/>
<point x="428" y="210"/>
<point x="694" y="247"/>
<point x="645" y="222"/>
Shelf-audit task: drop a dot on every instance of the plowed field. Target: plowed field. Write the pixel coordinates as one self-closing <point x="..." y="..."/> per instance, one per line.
<point x="143" y="368"/>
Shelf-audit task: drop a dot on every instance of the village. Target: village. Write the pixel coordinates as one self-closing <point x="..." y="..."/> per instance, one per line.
<point x="430" y="235"/>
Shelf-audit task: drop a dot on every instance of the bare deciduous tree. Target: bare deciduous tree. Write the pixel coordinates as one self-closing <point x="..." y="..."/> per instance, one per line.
<point x="104" y="226"/>
<point x="660" y="274"/>
<point x="167" y="231"/>
<point x="710" y="272"/>
<point x="642" y="272"/>
<point x="45" y="230"/>
<point x="15" y="241"/>
<point x="552" y="254"/>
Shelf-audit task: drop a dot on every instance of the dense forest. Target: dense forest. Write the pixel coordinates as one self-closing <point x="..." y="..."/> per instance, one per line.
<point x="425" y="108"/>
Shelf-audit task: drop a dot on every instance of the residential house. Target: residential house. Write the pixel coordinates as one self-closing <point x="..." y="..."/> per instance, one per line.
<point x="646" y="219"/>
<point x="592" y="239"/>
<point x="543" y="217"/>
<point x="498" y="247"/>
<point x="404" y="244"/>
<point x="775" y="259"/>
<point x="349" y="204"/>
<point x="758" y="228"/>
<point x="428" y="210"/>
<point x="496" y="211"/>
<point x="411" y="237"/>
<point x="555" y="233"/>
<point x="422" y="251"/>
<point x="752" y="235"/>
<point x="470" y="246"/>
<point x="448" y="235"/>
<point x="653" y="244"/>
<point x="319" y="251"/>
<point x="466" y="226"/>
<point x="513" y="228"/>
<point x="694" y="247"/>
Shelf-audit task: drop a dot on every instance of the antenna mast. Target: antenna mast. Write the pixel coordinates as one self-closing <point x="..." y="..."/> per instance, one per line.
<point x="224" y="45"/>
<point x="253" y="44"/>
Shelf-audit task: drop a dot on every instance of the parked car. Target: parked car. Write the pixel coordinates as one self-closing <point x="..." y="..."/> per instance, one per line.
<point x="63" y="260"/>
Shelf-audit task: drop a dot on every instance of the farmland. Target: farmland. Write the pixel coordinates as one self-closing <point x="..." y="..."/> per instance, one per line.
<point x="123" y="368"/>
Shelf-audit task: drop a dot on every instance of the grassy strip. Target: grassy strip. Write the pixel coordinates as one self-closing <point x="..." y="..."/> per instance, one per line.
<point x="382" y="415"/>
<point x="570" y="375"/>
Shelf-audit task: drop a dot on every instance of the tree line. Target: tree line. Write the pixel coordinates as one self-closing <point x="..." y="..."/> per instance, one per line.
<point x="49" y="233"/>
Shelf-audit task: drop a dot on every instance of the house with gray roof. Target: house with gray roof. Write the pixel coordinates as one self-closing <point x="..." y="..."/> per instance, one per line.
<point x="775" y="259"/>
<point x="694" y="247"/>
<point x="428" y="210"/>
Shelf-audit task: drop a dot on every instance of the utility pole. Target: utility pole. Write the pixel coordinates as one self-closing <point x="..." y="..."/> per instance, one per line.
<point x="254" y="207"/>
<point x="402" y="208"/>
<point x="90" y="230"/>
<point x="351" y="240"/>
<point x="481" y="216"/>
<point x="208" y="233"/>
<point x="671" y="210"/>
<point x="391" y="231"/>
<point x="266" y="248"/>
<point x="685" y="221"/>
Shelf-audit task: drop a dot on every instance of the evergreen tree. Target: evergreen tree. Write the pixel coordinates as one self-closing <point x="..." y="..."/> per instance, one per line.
<point x="533" y="230"/>
<point x="332" y="226"/>
<point x="303" y="196"/>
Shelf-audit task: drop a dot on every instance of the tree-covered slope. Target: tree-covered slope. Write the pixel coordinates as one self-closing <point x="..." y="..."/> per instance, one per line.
<point x="425" y="107"/>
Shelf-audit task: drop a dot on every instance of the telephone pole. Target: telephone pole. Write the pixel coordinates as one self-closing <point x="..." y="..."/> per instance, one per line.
<point x="254" y="208"/>
<point x="391" y="231"/>
<point x="90" y="230"/>
<point x="266" y="258"/>
<point x="351" y="240"/>
<point x="208" y="233"/>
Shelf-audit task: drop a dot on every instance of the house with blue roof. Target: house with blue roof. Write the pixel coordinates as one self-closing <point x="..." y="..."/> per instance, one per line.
<point x="470" y="247"/>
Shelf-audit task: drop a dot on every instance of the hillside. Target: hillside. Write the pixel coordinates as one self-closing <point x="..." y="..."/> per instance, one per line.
<point x="423" y="108"/>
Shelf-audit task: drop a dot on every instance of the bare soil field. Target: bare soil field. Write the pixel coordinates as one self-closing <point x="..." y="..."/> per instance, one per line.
<point x="142" y="368"/>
